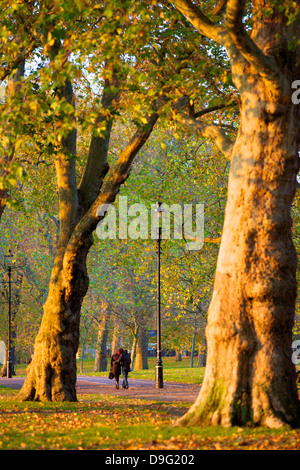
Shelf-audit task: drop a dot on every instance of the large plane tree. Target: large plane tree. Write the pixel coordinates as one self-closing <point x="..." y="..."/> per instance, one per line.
<point x="89" y="64"/>
<point x="71" y="41"/>
<point x="250" y="377"/>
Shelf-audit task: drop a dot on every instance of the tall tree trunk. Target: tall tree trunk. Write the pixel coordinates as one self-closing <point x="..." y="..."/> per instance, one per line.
<point x="249" y="376"/>
<point x="193" y="343"/>
<point x="83" y="341"/>
<point x="135" y="332"/>
<point x="178" y="356"/>
<point x="142" y="351"/>
<point x="51" y="376"/>
<point x="101" y="347"/>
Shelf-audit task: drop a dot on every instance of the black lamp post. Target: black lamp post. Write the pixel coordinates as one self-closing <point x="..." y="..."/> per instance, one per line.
<point x="159" y="365"/>
<point x="7" y="262"/>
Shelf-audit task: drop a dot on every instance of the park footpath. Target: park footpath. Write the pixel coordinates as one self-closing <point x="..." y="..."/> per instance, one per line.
<point x="138" y="388"/>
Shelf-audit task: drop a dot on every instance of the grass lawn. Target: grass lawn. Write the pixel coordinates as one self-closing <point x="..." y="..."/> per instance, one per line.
<point x="103" y="422"/>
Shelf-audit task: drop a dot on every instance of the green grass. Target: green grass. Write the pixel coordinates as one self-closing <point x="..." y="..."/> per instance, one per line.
<point x="99" y="422"/>
<point x="104" y="422"/>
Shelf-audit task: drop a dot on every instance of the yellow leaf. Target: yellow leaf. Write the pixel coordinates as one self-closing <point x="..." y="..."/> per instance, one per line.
<point x="33" y="105"/>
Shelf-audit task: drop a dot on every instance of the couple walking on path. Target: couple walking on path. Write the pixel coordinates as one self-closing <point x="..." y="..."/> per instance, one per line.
<point x="120" y="362"/>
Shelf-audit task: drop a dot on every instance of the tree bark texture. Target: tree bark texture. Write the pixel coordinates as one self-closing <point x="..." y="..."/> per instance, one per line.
<point x="249" y="375"/>
<point x="250" y="378"/>
<point x="51" y="375"/>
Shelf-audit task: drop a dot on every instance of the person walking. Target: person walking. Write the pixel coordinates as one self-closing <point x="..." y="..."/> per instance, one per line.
<point x="115" y="364"/>
<point x="125" y="361"/>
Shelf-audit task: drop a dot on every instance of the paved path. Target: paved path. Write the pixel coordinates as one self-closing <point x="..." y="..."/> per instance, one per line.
<point x="141" y="389"/>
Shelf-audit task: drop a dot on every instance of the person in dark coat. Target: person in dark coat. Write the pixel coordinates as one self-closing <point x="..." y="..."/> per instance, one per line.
<point x="116" y="365"/>
<point x="125" y="361"/>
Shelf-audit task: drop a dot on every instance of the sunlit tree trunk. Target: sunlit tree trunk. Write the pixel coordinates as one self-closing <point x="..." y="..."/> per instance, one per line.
<point x="135" y="333"/>
<point x="52" y="373"/>
<point x="250" y="378"/>
<point x="249" y="375"/>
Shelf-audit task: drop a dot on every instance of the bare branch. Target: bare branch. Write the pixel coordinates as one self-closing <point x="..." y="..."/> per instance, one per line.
<point x="214" y="108"/>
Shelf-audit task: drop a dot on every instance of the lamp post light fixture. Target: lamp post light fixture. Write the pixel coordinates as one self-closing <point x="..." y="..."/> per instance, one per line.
<point x="7" y="262"/>
<point x="159" y="365"/>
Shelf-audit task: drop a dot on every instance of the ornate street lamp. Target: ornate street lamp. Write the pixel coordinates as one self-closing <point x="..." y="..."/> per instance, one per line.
<point x="7" y="263"/>
<point x="159" y="365"/>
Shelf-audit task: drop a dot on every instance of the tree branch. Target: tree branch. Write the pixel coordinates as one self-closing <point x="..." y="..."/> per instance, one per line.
<point x="264" y="65"/>
<point x="17" y="62"/>
<point x="200" y="21"/>
<point x="214" y="108"/>
<point x="219" y="8"/>
<point x="212" y="131"/>
<point x="110" y="188"/>
<point x="231" y="35"/>
<point x="97" y="165"/>
<point x="65" y="165"/>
